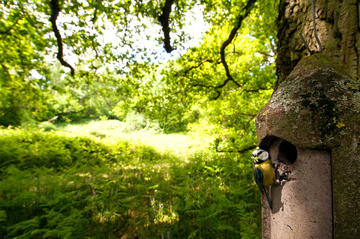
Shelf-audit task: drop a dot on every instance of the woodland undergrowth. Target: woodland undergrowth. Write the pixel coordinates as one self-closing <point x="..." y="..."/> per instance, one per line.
<point x="57" y="185"/>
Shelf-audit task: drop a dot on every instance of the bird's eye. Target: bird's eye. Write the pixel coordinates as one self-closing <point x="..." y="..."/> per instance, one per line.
<point x="255" y="153"/>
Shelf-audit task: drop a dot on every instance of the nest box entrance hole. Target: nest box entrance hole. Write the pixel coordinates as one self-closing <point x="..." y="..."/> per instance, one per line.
<point x="281" y="150"/>
<point x="287" y="152"/>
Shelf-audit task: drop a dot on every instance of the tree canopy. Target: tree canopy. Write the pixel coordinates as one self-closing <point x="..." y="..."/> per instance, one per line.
<point x="91" y="58"/>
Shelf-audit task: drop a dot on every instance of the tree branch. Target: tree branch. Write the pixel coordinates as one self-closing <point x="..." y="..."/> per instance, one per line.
<point x="164" y="20"/>
<point x="55" y="10"/>
<point x="185" y="72"/>
<point x="235" y="151"/>
<point x="227" y="42"/>
<point x="7" y="31"/>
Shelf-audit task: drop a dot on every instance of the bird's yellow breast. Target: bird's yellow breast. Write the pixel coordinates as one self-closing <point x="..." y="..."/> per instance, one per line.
<point x="268" y="171"/>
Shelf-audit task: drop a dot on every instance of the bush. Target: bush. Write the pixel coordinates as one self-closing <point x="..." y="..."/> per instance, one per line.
<point x="121" y="109"/>
<point x="137" y="121"/>
<point x="47" y="126"/>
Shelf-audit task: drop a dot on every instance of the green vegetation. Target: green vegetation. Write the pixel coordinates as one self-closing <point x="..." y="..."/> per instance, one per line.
<point x="58" y="186"/>
<point x="105" y="136"/>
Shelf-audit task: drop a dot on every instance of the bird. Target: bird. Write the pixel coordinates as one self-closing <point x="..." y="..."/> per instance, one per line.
<point x="264" y="172"/>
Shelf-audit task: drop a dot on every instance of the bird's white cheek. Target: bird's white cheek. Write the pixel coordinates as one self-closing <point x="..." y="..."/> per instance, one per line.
<point x="264" y="156"/>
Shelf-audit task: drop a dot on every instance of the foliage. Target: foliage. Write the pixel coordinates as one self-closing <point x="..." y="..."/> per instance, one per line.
<point x="115" y="70"/>
<point x="193" y="88"/>
<point x="47" y="126"/>
<point x="57" y="186"/>
<point x="91" y="97"/>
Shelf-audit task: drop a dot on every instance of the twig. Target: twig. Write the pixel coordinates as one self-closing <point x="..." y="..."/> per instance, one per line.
<point x="55" y="10"/>
<point x="7" y="31"/>
<point x="235" y="151"/>
<point x="195" y="67"/>
<point x="95" y="16"/>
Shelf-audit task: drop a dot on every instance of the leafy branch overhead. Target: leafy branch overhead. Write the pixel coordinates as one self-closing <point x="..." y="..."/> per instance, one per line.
<point x="55" y="10"/>
<point x="164" y="21"/>
<point x="121" y="13"/>
<point x="243" y="13"/>
<point x="7" y="31"/>
<point x="240" y="18"/>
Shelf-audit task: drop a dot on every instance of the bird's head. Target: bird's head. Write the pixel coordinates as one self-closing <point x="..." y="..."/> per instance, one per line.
<point x="260" y="156"/>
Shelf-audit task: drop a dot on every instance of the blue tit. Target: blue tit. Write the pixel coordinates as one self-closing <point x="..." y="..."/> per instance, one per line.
<point x="264" y="172"/>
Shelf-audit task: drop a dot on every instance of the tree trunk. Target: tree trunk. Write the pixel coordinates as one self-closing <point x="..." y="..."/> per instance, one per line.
<point x="337" y="24"/>
<point x="315" y="113"/>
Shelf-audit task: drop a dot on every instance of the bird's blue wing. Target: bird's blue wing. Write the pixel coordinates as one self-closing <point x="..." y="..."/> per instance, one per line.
<point x="259" y="177"/>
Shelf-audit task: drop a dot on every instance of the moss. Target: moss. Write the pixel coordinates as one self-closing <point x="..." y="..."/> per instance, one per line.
<point x="319" y="61"/>
<point x="318" y="106"/>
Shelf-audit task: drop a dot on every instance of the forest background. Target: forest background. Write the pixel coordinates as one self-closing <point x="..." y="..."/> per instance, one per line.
<point x="110" y="128"/>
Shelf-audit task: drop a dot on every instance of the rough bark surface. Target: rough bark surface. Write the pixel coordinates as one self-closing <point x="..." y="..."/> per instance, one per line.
<point x="316" y="104"/>
<point x="318" y="107"/>
<point x="337" y="24"/>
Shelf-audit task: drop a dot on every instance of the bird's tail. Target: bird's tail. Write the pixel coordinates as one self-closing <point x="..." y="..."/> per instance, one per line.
<point x="267" y="198"/>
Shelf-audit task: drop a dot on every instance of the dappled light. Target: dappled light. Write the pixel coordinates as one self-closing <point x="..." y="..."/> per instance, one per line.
<point x="103" y="134"/>
<point x="125" y="188"/>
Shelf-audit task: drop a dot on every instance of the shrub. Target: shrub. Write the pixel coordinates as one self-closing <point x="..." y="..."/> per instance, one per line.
<point x="47" y="126"/>
<point x="137" y="121"/>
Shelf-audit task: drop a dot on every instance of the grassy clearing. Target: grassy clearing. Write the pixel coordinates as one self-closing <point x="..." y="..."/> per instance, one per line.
<point x="84" y="181"/>
<point x="110" y="131"/>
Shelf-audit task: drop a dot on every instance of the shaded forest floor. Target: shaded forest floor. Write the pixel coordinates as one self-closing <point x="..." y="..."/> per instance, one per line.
<point x="103" y="179"/>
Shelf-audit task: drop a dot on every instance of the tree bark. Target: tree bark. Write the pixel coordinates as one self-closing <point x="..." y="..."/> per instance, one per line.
<point x="316" y="107"/>
<point x="337" y="24"/>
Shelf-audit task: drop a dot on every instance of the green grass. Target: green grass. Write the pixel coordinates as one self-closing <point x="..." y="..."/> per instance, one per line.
<point x="84" y="181"/>
<point x="110" y="131"/>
